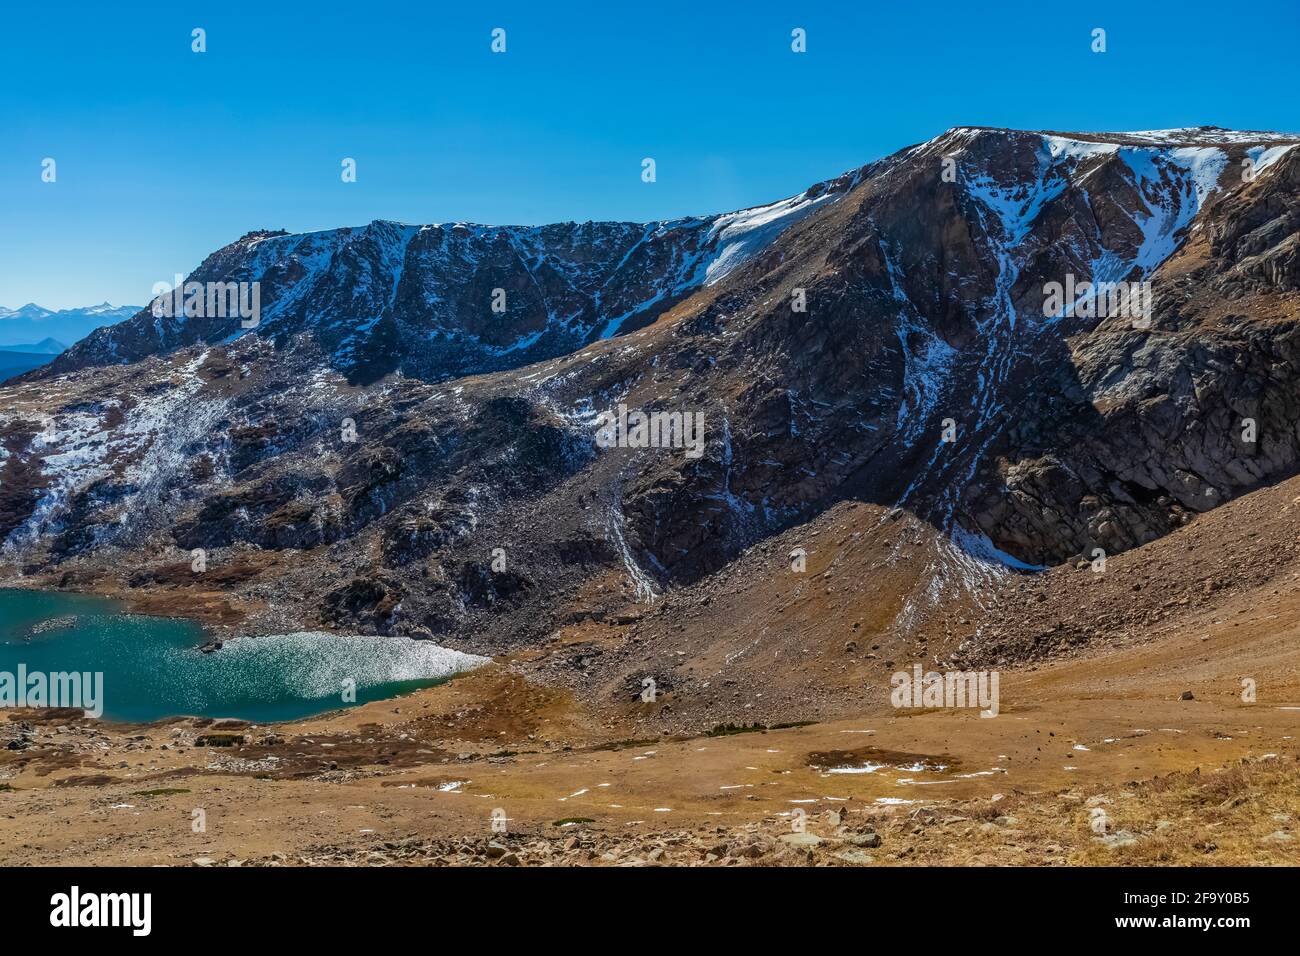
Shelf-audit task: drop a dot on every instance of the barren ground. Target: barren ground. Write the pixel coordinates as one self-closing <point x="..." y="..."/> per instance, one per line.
<point x="1212" y="779"/>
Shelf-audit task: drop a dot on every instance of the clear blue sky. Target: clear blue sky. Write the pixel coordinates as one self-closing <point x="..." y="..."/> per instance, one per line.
<point x="164" y="155"/>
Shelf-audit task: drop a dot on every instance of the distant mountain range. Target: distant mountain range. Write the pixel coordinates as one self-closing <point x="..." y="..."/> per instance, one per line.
<point x="34" y="323"/>
<point x="17" y="359"/>
<point x="46" y="346"/>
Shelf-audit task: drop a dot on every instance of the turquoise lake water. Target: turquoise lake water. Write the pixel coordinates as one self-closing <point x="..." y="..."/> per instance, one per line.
<point x="153" y="668"/>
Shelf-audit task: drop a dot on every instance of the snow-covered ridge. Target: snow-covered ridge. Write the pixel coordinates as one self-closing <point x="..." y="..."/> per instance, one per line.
<point x="1174" y="174"/>
<point x="424" y="290"/>
<point x="1208" y="135"/>
<point x="1180" y="136"/>
<point x="1201" y="152"/>
<point x="732" y="239"/>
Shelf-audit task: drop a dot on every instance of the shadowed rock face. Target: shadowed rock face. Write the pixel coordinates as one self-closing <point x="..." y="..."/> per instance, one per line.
<point x="1072" y="433"/>
<point x="924" y="277"/>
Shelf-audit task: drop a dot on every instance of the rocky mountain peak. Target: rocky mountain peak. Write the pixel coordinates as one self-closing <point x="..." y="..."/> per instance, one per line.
<point x="448" y="299"/>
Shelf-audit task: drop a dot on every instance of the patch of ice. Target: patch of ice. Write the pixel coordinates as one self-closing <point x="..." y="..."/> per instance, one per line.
<point x="864" y="768"/>
<point x="742" y="235"/>
<point x="315" y="664"/>
<point x="979" y="546"/>
<point x="1262" y="157"/>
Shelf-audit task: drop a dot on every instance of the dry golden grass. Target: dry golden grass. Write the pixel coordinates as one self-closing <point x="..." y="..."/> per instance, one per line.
<point x="1227" y="817"/>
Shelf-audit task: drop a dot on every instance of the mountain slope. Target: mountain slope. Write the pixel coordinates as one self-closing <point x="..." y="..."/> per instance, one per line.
<point x="46" y="346"/>
<point x="16" y="362"/>
<point x="325" y="491"/>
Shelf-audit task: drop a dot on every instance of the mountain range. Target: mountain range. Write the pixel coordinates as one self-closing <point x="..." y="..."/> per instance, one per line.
<point x="16" y="359"/>
<point x="34" y="323"/>
<point x="404" y="442"/>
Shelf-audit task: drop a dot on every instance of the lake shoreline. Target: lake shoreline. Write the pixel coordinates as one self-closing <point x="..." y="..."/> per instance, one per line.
<point x="207" y="608"/>
<point x="156" y="668"/>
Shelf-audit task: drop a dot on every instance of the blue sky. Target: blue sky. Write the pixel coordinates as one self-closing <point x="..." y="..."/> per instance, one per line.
<point x="165" y="155"/>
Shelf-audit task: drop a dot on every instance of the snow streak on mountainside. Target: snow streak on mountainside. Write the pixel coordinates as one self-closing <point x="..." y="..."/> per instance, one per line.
<point x="1152" y="194"/>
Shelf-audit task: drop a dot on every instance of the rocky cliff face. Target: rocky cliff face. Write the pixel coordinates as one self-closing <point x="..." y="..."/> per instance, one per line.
<point x="890" y="337"/>
<point x="453" y="299"/>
